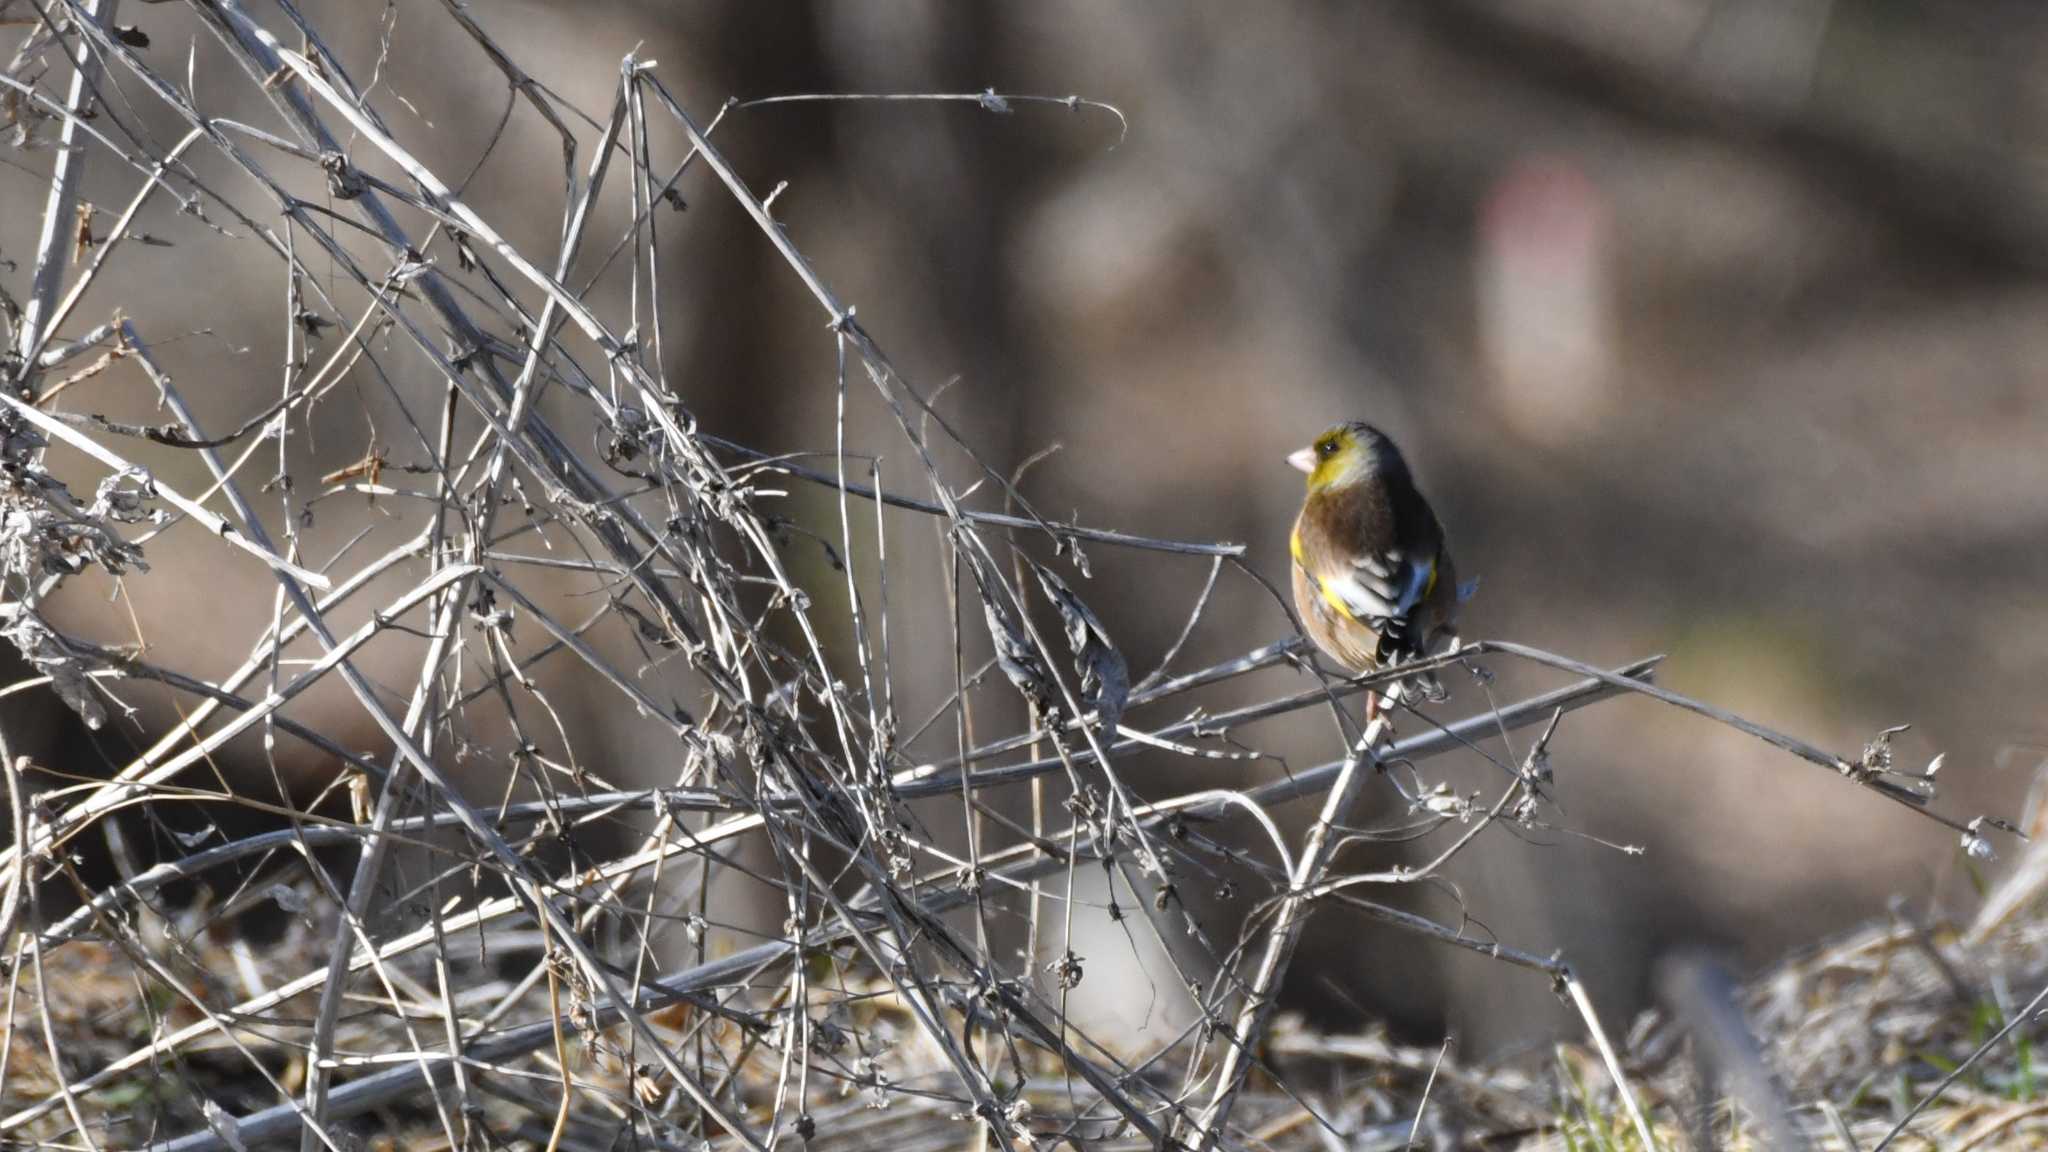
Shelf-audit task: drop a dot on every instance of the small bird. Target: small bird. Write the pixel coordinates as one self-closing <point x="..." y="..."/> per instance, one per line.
<point x="1372" y="579"/>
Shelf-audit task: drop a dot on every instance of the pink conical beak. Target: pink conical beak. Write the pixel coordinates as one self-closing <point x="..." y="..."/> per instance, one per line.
<point x="1304" y="460"/>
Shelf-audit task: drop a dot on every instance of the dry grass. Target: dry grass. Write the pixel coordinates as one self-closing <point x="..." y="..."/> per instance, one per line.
<point x="1856" y="1032"/>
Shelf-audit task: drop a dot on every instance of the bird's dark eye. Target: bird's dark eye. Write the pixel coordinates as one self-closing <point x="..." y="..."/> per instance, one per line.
<point x="1327" y="448"/>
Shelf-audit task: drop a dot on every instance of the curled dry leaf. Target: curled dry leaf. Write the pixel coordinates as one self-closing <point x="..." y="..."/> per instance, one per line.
<point x="66" y="670"/>
<point x="1014" y="652"/>
<point x="1105" y="676"/>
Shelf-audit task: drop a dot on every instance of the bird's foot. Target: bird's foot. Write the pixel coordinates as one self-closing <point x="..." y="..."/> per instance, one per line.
<point x="1430" y="687"/>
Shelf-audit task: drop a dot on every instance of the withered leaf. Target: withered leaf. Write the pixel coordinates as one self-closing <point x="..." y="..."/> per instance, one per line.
<point x="67" y="672"/>
<point x="1014" y="652"/>
<point x="1105" y="676"/>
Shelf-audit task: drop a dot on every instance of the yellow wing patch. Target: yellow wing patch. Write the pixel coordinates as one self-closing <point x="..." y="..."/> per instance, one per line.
<point x="1330" y="597"/>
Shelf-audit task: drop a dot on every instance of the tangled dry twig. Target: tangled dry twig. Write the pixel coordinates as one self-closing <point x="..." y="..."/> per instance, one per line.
<point x="470" y="964"/>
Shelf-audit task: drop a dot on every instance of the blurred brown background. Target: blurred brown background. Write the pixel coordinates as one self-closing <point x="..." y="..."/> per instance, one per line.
<point x="1712" y="328"/>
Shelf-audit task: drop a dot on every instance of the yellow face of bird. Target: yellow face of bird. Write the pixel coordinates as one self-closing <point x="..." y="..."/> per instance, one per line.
<point x="1337" y="456"/>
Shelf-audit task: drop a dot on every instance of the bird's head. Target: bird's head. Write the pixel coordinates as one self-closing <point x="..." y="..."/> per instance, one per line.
<point x="1345" y="454"/>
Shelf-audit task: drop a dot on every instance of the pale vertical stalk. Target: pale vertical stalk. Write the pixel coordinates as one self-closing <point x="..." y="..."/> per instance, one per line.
<point x="1262" y="994"/>
<point x="1577" y="991"/>
<point x="53" y="246"/>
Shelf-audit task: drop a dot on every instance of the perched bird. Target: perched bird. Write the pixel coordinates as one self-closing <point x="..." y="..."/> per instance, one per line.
<point x="1372" y="579"/>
